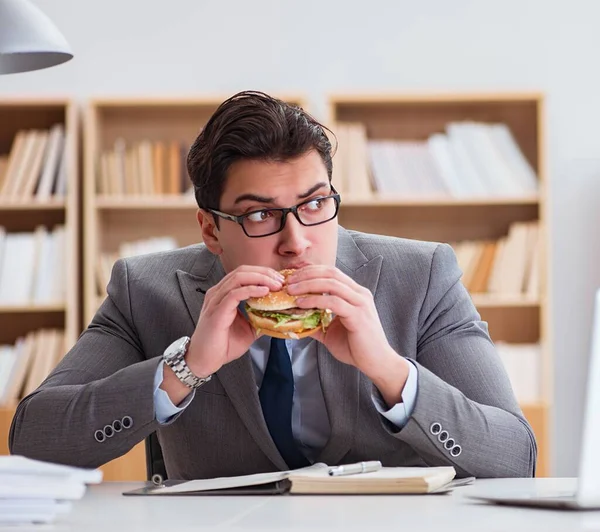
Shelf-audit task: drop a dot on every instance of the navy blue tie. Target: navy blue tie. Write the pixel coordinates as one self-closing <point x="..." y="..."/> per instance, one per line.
<point x="276" y="396"/>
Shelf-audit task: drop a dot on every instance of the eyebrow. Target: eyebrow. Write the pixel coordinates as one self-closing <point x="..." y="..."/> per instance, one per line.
<point x="263" y="199"/>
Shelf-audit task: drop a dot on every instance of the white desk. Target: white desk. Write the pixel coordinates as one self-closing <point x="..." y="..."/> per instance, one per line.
<point x="104" y="509"/>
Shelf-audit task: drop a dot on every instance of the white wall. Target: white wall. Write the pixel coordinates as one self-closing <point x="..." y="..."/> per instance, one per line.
<point x="319" y="46"/>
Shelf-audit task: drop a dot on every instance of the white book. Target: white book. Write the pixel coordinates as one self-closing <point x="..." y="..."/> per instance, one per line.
<point x="51" y="162"/>
<point x="512" y="154"/>
<point x="58" y="267"/>
<point x="17" y="269"/>
<point x="2" y="244"/>
<point x="45" y="275"/>
<point x="492" y="167"/>
<point x="439" y="148"/>
<point x="475" y="184"/>
<point x="39" y="236"/>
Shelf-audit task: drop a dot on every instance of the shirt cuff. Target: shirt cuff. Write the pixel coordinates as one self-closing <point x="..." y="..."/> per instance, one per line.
<point x="164" y="409"/>
<point x="400" y="412"/>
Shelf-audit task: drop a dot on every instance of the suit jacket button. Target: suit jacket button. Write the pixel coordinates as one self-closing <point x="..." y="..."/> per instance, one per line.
<point x="108" y="431"/>
<point x="117" y="426"/>
<point x="456" y="450"/>
<point x="435" y="429"/>
<point x="100" y="436"/>
<point x="443" y="436"/>
<point x="127" y="422"/>
<point x="449" y="444"/>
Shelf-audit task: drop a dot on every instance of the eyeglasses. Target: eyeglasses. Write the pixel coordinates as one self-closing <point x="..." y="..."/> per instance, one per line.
<point x="265" y="222"/>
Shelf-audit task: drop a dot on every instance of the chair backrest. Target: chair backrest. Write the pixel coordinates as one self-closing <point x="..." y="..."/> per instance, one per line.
<point x="155" y="463"/>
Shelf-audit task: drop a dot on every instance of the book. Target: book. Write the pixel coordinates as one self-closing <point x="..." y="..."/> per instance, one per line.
<point x="315" y="480"/>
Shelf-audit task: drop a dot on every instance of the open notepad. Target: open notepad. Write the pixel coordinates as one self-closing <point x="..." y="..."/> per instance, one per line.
<point x="314" y="479"/>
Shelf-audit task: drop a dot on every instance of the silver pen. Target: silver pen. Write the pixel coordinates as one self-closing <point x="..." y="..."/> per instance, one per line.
<point x="355" y="469"/>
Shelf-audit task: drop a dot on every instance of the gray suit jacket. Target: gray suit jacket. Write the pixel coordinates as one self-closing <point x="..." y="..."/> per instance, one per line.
<point x="152" y="300"/>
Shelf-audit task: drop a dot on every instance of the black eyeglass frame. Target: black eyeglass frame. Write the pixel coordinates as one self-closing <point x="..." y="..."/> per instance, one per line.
<point x="284" y="213"/>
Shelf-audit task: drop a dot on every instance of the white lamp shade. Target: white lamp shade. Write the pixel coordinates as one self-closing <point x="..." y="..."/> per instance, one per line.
<point x="28" y="39"/>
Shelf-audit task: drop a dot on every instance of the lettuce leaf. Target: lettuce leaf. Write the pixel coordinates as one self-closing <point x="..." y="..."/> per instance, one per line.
<point x="312" y="321"/>
<point x="281" y="318"/>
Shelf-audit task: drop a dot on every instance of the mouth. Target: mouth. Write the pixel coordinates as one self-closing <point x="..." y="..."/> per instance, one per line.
<point x="296" y="266"/>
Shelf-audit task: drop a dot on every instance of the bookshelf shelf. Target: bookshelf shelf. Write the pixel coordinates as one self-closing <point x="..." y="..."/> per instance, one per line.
<point x="55" y="205"/>
<point x="398" y="137"/>
<point x="161" y="202"/>
<point x="508" y="302"/>
<point x="24" y="309"/>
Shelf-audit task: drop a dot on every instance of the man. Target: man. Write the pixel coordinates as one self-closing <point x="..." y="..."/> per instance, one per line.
<point x="405" y="374"/>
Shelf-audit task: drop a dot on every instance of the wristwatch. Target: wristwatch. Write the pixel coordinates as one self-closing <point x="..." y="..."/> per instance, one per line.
<point x="174" y="357"/>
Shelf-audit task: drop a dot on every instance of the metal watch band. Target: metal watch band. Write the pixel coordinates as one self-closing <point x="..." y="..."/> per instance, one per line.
<point x="174" y="357"/>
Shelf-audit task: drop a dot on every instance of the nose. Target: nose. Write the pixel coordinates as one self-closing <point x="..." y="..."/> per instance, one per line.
<point x="293" y="238"/>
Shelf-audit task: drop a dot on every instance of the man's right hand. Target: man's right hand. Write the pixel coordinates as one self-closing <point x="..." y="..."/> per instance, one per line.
<point x="222" y="333"/>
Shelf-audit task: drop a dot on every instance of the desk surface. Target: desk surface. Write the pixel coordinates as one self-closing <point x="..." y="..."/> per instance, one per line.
<point x="104" y="509"/>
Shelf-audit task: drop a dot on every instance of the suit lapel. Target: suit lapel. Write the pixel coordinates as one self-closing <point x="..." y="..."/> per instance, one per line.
<point x="237" y="377"/>
<point x="340" y="382"/>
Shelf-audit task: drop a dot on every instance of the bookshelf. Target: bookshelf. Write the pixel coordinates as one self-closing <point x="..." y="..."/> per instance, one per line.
<point x="24" y="208"/>
<point x="115" y="213"/>
<point x="410" y="120"/>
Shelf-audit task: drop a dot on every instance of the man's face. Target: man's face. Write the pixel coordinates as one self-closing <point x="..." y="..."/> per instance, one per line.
<point x="254" y="185"/>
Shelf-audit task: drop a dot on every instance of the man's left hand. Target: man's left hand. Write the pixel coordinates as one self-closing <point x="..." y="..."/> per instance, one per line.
<point x="356" y="335"/>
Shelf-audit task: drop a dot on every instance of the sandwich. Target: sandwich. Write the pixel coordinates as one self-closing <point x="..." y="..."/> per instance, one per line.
<point x="277" y="315"/>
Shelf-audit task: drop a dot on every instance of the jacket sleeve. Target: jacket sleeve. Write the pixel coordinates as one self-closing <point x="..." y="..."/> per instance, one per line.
<point x="466" y="414"/>
<point x="98" y="402"/>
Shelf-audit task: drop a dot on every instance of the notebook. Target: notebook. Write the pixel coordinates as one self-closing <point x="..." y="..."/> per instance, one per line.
<point x="315" y="479"/>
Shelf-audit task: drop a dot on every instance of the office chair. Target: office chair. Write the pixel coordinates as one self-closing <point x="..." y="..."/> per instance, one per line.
<point x="155" y="463"/>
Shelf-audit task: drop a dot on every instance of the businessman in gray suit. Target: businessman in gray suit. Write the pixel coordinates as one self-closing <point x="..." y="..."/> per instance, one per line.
<point x="406" y="373"/>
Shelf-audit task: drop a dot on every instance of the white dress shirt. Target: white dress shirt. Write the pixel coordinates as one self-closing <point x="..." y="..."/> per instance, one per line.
<point x="310" y="423"/>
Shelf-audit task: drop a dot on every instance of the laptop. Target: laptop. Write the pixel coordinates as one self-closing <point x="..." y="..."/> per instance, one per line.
<point x="587" y="493"/>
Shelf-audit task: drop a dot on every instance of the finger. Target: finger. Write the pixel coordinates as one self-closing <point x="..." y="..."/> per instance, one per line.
<point x="257" y="269"/>
<point x="335" y="304"/>
<point x="315" y="270"/>
<point x="323" y="272"/>
<point x="327" y="286"/>
<point x="233" y="298"/>
<point x="239" y="280"/>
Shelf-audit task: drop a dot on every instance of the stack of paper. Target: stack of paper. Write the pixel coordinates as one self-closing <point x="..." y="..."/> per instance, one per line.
<point x="32" y="491"/>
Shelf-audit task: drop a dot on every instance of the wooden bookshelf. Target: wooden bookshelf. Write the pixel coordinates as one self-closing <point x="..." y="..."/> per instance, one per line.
<point x="111" y="219"/>
<point x="17" y="215"/>
<point x="24" y="215"/>
<point x="415" y="117"/>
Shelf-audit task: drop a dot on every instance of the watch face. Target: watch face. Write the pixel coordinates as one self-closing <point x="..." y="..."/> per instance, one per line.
<point x="177" y="345"/>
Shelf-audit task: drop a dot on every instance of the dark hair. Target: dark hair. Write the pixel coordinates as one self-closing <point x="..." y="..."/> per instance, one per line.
<point x="251" y="125"/>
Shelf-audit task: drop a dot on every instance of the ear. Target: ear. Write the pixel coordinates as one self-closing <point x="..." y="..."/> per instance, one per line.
<point x="210" y="232"/>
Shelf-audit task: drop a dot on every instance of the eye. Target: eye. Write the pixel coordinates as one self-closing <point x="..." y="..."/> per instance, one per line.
<point x="259" y="216"/>
<point x="314" y="205"/>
